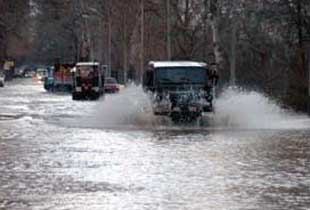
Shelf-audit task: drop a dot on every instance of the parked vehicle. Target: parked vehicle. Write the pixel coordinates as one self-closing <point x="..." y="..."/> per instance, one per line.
<point x="40" y="75"/>
<point x="88" y="81"/>
<point x="49" y="79"/>
<point x="9" y="69"/>
<point x="28" y="72"/>
<point x="19" y="72"/>
<point x="2" y="78"/>
<point x="181" y="90"/>
<point x="111" y="85"/>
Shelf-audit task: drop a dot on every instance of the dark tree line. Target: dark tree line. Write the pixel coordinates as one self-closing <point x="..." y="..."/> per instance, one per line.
<point x="259" y="44"/>
<point x="15" y="36"/>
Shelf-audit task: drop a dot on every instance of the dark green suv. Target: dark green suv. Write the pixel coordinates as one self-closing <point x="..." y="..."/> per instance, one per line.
<point x="182" y="90"/>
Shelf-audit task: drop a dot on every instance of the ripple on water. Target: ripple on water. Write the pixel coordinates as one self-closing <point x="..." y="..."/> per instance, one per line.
<point x="9" y="116"/>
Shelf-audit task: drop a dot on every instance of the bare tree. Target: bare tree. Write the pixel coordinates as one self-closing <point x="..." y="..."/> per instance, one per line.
<point x="14" y="22"/>
<point x="258" y="43"/>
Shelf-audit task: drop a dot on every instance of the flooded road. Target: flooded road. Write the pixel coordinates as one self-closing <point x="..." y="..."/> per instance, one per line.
<point x="59" y="154"/>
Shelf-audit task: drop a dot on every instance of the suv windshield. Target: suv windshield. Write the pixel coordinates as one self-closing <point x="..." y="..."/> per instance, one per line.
<point x="181" y="75"/>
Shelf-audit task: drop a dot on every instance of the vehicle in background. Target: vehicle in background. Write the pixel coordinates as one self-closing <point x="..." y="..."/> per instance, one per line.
<point x="27" y="72"/>
<point x="19" y="72"/>
<point x="88" y="81"/>
<point x="40" y="75"/>
<point x="49" y="79"/>
<point x="182" y="90"/>
<point x="2" y="78"/>
<point x="111" y="85"/>
<point x="62" y="77"/>
<point x="9" y="69"/>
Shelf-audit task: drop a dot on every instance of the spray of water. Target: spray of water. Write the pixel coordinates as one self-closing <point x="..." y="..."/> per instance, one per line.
<point x="237" y="108"/>
<point x="234" y="108"/>
<point x="131" y="107"/>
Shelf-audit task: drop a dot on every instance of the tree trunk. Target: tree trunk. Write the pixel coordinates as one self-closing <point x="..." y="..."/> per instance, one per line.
<point x="233" y="56"/>
<point x="299" y="23"/>
<point x="125" y="49"/>
<point x="109" y="39"/>
<point x="141" y="41"/>
<point x="233" y="49"/>
<point x="168" y="30"/>
<point x="215" y="17"/>
<point x="307" y="68"/>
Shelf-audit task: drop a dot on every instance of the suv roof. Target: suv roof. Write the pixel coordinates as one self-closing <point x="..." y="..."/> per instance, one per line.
<point x="158" y="64"/>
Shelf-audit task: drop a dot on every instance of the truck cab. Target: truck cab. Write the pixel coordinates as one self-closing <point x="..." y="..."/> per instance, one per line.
<point x="182" y="90"/>
<point x="88" y="81"/>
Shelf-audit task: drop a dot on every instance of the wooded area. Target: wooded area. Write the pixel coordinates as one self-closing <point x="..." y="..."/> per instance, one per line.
<point x="257" y="44"/>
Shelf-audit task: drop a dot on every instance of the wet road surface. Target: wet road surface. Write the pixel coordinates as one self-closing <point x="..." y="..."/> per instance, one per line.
<point x="51" y="157"/>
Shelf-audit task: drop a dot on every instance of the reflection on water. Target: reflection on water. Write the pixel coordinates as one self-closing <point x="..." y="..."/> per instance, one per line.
<point x="47" y="164"/>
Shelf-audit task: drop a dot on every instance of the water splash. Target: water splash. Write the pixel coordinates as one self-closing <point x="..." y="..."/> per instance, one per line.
<point x="237" y="108"/>
<point x="132" y="106"/>
<point x="234" y="108"/>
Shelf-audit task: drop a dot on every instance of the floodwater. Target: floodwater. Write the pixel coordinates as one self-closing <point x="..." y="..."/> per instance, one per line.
<point x="59" y="154"/>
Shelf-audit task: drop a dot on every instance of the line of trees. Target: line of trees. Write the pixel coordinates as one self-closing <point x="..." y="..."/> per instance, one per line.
<point x="258" y="44"/>
<point x="15" y="35"/>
